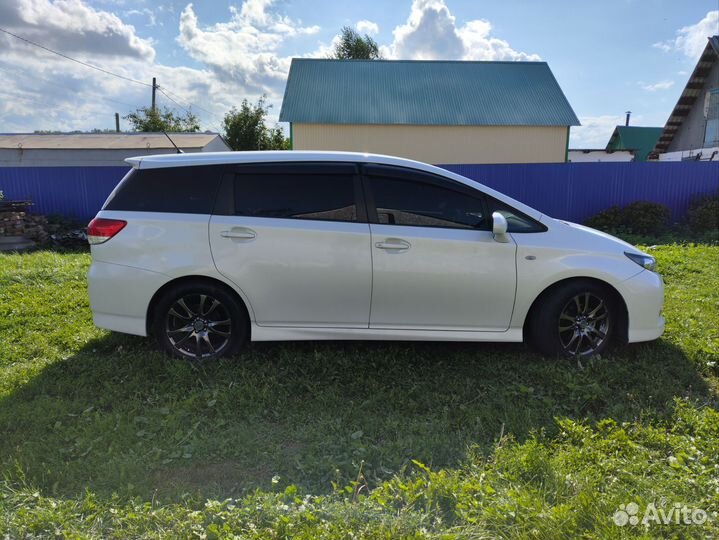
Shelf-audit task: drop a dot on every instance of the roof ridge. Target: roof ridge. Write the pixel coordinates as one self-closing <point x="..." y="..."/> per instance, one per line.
<point x="407" y="61"/>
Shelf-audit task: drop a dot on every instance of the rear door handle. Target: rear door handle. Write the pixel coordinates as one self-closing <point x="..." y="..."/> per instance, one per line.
<point x="393" y="244"/>
<point x="239" y="233"/>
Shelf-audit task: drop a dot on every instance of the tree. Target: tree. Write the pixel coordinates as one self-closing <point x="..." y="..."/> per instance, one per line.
<point x="245" y="129"/>
<point x="149" y="119"/>
<point x="353" y="46"/>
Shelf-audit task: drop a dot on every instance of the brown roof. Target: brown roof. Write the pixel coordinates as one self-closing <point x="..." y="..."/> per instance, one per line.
<point x="104" y="141"/>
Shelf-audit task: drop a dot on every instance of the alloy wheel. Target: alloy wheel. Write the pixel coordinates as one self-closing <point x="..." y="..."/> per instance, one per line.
<point x="584" y="324"/>
<point x="198" y="326"/>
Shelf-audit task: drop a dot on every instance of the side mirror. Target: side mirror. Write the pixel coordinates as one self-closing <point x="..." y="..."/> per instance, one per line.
<point x="499" y="228"/>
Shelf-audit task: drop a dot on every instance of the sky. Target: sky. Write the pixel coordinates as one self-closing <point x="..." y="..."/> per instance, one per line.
<point x="609" y="57"/>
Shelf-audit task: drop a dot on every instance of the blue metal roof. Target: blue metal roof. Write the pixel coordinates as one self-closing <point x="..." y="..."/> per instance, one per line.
<point x="324" y="91"/>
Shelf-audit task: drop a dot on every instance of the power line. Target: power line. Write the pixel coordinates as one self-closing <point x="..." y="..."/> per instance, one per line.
<point x="130" y="79"/>
<point x="191" y="104"/>
<point x="187" y="109"/>
<point x="107" y="72"/>
<point x="38" y="77"/>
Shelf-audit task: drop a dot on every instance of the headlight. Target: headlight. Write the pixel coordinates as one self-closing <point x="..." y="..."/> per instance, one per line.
<point x="645" y="261"/>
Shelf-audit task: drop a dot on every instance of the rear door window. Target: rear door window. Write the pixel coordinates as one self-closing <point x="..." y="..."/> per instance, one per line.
<point x="297" y="191"/>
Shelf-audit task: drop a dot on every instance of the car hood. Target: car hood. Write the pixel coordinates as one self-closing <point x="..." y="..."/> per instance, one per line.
<point x="601" y="239"/>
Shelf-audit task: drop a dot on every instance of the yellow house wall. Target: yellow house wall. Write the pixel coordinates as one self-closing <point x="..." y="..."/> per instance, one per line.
<point x="439" y="144"/>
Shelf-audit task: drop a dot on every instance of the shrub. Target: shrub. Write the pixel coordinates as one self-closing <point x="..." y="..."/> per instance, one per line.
<point x="643" y="217"/>
<point x="703" y="213"/>
<point x="609" y="220"/>
<point x="640" y="217"/>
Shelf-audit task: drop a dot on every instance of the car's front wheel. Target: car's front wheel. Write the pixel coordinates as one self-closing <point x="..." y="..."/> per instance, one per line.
<point x="199" y="321"/>
<point x="579" y="319"/>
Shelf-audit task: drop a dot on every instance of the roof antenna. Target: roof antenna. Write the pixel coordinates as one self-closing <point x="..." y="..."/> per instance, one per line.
<point x="173" y="142"/>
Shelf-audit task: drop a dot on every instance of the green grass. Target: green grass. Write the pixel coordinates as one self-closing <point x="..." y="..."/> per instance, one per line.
<point x="101" y="436"/>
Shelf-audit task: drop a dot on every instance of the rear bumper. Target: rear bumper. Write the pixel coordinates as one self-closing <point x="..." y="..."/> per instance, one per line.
<point x="644" y="296"/>
<point x="120" y="296"/>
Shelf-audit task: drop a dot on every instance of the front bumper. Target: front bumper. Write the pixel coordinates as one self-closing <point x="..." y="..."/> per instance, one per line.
<point x="644" y="296"/>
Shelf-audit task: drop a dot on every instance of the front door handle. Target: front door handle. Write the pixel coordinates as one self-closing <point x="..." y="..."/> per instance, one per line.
<point x="393" y="244"/>
<point x="239" y="233"/>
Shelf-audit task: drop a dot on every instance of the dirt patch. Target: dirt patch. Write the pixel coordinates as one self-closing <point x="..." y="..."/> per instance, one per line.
<point x="224" y="479"/>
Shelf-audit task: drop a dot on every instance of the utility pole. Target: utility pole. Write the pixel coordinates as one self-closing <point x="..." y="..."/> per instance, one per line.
<point x="154" y="87"/>
<point x="117" y="122"/>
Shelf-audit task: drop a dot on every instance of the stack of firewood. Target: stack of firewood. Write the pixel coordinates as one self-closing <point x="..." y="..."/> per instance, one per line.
<point x="36" y="228"/>
<point x="12" y="223"/>
<point x="31" y="226"/>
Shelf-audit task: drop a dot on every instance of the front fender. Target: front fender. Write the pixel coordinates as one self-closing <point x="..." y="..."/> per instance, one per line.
<point x="548" y="267"/>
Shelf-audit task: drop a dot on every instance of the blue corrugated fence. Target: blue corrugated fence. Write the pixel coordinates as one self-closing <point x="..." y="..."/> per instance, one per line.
<point x="575" y="191"/>
<point x="77" y="192"/>
<point x="572" y="191"/>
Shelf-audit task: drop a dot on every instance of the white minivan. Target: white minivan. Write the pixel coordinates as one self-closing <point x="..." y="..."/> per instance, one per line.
<point x="205" y="251"/>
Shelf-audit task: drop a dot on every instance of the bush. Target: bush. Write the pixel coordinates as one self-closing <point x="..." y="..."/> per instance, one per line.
<point x="609" y="220"/>
<point x="703" y="213"/>
<point x="640" y="217"/>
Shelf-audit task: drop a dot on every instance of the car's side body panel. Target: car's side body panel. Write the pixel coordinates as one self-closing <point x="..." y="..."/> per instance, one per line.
<point x="445" y="279"/>
<point x="153" y="249"/>
<point x="297" y="272"/>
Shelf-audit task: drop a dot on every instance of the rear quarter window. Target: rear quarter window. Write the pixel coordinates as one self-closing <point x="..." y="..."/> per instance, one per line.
<point x="181" y="190"/>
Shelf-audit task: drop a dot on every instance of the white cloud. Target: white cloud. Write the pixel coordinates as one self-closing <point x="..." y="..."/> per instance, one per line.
<point x="661" y="85"/>
<point x="43" y="91"/>
<point x="367" y="27"/>
<point x="243" y="56"/>
<point x="72" y="26"/>
<point x="246" y="47"/>
<point x="595" y="131"/>
<point x="431" y="33"/>
<point x="145" y="12"/>
<point x="692" y="39"/>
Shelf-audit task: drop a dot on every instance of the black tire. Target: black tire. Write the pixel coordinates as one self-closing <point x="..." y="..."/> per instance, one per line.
<point x="211" y="325"/>
<point x="578" y="319"/>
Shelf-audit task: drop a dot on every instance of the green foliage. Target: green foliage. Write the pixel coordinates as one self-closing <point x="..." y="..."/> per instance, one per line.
<point x="609" y="220"/>
<point x="639" y="217"/>
<point x="102" y="437"/>
<point x="2" y="195"/>
<point x="353" y="46"/>
<point x="643" y="217"/>
<point x="703" y="213"/>
<point x="245" y="129"/>
<point x="157" y="120"/>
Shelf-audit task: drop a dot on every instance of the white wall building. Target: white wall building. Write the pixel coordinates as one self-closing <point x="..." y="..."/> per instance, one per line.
<point x="593" y="156"/>
<point x="98" y="149"/>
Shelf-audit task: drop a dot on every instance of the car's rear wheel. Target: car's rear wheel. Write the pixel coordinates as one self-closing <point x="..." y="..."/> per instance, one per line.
<point x="578" y="319"/>
<point x="199" y="321"/>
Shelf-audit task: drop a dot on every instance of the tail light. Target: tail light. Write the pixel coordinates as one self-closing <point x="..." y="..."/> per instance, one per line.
<point x="101" y="230"/>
